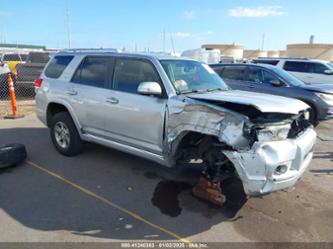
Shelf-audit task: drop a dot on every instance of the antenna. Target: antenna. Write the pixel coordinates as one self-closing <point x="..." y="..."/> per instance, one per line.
<point x="68" y="28"/>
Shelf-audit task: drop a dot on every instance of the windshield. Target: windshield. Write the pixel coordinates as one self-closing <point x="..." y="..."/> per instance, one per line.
<point x="331" y="65"/>
<point x="192" y="76"/>
<point x="291" y="79"/>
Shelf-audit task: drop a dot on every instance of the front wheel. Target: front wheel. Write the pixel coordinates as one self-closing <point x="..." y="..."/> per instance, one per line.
<point x="313" y="117"/>
<point x="64" y="134"/>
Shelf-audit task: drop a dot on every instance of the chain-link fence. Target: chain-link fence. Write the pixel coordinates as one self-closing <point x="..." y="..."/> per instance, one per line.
<point x="24" y="88"/>
<point x="23" y="72"/>
<point x="24" y="92"/>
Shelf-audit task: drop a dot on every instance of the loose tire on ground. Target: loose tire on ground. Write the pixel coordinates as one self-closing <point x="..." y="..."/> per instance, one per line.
<point x="73" y="144"/>
<point x="12" y="155"/>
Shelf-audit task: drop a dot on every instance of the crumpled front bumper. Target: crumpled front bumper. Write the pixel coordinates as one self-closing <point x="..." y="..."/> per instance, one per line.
<point x="257" y="167"/>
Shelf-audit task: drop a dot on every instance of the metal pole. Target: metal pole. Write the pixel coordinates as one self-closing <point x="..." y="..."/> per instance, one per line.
<point x="164" y="41"/>
<point x="263" y="42"/>
<point x="68" y="28"/>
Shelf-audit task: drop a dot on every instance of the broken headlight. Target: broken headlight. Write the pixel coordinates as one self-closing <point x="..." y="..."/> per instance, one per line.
<point x="273" y="133"/>
<point x="266" y="133"/>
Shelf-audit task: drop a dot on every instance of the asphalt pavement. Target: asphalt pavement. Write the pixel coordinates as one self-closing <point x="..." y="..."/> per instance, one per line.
<point x="105" y="195"/>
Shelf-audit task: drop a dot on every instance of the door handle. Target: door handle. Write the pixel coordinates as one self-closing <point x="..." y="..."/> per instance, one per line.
<point x="112" y="100"/>
<point x="71" y="92"/>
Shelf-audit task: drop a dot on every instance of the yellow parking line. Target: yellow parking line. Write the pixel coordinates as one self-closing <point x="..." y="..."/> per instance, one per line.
<point x="108" y="202"/>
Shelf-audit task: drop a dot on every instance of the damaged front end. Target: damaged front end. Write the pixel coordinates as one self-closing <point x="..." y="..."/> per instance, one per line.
<point x="281" y="148"/>
<point x="267" y="151"/>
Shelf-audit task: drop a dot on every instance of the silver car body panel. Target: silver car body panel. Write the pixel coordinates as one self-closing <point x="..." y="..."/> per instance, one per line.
<point x="151" y="127"/>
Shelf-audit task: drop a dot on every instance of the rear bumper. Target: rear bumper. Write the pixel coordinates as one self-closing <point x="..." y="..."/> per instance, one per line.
<point x="257" y="167"/>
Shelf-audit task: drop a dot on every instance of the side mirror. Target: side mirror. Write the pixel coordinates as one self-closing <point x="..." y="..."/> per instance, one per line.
<point x="328" y="72"/>
<point x="150" y="88"/>
<point x="275" y="83"/>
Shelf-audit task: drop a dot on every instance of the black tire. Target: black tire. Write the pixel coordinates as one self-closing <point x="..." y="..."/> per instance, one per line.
<point x="12" y="155"/>
<point x="74" y="145"/>
<point x="313" y="117"/>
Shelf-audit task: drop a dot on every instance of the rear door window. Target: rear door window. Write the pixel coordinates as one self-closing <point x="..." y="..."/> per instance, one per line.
<point x="129" y="73"/>
<point x="57" y="66"/>
<point x="233" y="73"/>
<point x="94" y="71"/>
<point x="297" y="66"/>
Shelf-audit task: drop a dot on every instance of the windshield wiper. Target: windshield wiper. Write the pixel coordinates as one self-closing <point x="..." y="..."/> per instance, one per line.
<point x="215" y="89"/>
<point x="190" y="91"/>
<point x="201" y="90"/>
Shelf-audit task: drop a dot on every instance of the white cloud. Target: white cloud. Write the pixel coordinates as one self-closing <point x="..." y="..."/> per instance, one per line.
<point x="5" y="13"/>
<point x="260" y="11"/>
<point x="190" y="15"/>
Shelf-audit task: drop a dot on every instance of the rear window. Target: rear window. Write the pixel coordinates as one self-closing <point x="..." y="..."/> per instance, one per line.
<point x="233" y="73"/>
<point x="11" y="57"/>
<point x="270" y="62"/>
<point x="319" y="68"/>
<point x="57" y="66"/>
<point x="38" y="57"/>
<point x="297" y="66"/>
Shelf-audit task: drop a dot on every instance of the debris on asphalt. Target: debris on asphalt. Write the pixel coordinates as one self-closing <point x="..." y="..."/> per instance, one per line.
<point x="209" y="191"/>
<point x="128" y="226"/>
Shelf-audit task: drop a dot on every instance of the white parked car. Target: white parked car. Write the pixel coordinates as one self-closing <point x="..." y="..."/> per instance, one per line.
<point x="4" y="70"/>
<point x="309" y="71"/>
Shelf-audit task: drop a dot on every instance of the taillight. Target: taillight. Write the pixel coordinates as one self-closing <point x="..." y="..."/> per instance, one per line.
<point x="38" y="83"/>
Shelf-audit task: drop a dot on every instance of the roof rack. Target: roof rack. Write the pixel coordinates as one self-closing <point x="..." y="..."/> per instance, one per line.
<point x="277" y="58"/>
<point x="77" y="50"/>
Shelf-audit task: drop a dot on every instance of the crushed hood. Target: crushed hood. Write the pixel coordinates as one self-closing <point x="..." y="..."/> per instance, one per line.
<point x="265" y="103"/>
<point x="323" y="88"/>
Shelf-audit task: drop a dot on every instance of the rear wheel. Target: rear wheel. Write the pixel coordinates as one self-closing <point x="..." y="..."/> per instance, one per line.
<point x="64" y="134"/>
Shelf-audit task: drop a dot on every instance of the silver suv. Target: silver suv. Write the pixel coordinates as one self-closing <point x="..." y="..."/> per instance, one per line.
<point x="174" y="111"/>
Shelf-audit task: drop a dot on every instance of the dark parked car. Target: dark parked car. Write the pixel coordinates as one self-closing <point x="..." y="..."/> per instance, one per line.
<point x="27" y="72"/>
<point x="269" y="79"/>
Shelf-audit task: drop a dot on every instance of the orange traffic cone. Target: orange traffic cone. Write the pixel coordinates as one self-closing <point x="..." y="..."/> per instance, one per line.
<point x="14" y="114"/>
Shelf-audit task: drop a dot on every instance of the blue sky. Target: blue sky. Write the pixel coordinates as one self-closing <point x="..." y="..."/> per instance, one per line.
<point x="140" y="23"/>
